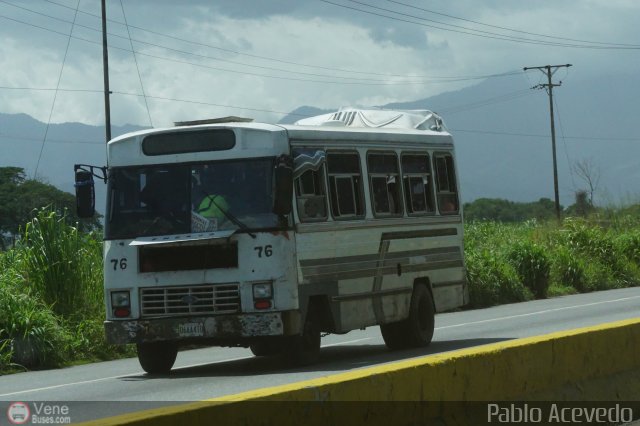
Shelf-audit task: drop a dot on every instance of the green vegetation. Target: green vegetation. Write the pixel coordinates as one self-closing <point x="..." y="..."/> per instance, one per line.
<point x="500" y="210"/>
<point x="19" y="197"/>
<point x="51" y="290"/>
<point x="509" y="262"/>
<point x="51" y="303"/>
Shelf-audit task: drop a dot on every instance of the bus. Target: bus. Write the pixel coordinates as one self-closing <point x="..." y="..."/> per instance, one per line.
<point x="231" y="233"/>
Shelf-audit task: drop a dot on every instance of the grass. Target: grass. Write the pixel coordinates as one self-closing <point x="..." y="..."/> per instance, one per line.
<point x="548" y="259"/>
<point x="51" y="303"/>
<point x="51" y="289"/>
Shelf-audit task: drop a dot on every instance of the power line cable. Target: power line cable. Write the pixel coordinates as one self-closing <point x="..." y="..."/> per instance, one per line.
<point x="50" y="89"/>
<point x="531" y="135"/>
<point x="195" y="102"/>
<point x="184" y="51"/>
<point x="10" y="136"/>
<point x="477" y="33"/>
<point x="564" y="142"/>
<point x="197" y="43"/>
<point x="511" y="29"/>
<point x="513" y="38"/>
<point x="458" y="108"/>
<point x="124" y="15"/>
<point x="163" y="98"/>
<point x="64" y="60"/>
<point x="392" y="83"/>
<point x="359" y="79"/>
<point x="489" y="101"/>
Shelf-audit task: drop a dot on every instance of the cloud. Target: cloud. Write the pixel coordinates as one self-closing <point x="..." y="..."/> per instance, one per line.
<point x="247" y="57"/>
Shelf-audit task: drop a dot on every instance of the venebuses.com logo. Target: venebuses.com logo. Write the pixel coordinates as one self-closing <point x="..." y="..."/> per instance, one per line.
<point x="18" y="413"/>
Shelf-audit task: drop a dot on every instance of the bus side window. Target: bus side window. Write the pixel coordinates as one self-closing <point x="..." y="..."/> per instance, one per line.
<point x="417" y="182"/>
<point x="345" y="185"/>
<point x="311" y="196"/>
<point x="446" y="184"/>
<point x="384" y="181"/>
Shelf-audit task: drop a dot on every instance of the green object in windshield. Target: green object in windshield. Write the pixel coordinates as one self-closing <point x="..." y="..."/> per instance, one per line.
<point x="212" y="205"/>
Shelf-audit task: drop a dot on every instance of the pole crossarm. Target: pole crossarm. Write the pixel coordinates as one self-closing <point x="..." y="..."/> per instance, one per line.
<point x="549" y="70"/>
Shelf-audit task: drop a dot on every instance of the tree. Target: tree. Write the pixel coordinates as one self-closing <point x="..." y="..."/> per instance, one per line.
<point x="509" y="211"/>
<point x="20" y="196"/>
<point x="586" y="170"/>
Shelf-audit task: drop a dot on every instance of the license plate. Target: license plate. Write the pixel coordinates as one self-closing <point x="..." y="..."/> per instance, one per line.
<point x="191" y="329"/>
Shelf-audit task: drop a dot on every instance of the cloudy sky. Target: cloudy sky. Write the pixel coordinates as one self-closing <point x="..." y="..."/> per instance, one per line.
<point x="263" y="58"/>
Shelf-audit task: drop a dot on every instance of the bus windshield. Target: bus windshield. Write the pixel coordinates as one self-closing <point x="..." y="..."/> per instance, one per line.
<point x="189" y="198"/>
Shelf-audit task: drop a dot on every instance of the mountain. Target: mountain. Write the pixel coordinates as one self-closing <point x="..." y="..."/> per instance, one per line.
<point x="302" y="112"/>
<point x="500" y="127"/>
<point x="594" y="120"/>
<point x="67" y="144"/>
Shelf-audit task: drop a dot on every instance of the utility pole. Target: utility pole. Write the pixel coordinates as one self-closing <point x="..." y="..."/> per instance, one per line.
<point x="105" y="68"/>
<point x="550" y="70"/>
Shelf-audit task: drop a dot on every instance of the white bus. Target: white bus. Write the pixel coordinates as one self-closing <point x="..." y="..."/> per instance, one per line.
<point x="235" y="233"/>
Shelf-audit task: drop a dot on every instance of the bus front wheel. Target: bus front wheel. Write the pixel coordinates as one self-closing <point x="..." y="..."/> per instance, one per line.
<point x="157" y="357"/>
<point x="268" y="348"/>
<point x="417" y="330"/>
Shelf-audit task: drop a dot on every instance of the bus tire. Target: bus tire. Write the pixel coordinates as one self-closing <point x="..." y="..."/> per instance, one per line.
<point x="417" y="330"/>
<point x="264" y="348"/>
<point x="157" y="357"/>
<point x="305" y="349"/>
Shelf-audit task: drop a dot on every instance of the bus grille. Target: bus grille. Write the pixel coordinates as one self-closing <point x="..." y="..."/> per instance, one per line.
<point x="207" y="299"/>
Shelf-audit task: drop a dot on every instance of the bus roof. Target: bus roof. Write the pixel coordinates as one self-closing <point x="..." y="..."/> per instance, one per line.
<point x="230" y="125"/>
<point x="379" y="128"/>
<point x="346" y="120"/>
<point x="378" y="119"/>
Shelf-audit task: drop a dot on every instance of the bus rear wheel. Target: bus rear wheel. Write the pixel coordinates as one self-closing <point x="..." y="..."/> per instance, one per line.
<point x="417" y="330"/>
<point x="157" y="357"/>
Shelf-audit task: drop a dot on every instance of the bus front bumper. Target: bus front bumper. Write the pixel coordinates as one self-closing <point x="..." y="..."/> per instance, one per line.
<point x="223" y="327"/>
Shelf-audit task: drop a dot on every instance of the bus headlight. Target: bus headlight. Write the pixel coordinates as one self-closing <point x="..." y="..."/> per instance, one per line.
<point x="262" y="291"/>
<point x="121" y="304"/>
<point x="120" y="299"/>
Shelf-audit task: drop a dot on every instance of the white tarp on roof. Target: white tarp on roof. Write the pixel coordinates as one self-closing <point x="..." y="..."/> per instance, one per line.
<point x="352" y="117"/>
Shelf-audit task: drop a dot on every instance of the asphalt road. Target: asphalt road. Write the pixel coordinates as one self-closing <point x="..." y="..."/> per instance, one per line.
<point x="108" y="388"/>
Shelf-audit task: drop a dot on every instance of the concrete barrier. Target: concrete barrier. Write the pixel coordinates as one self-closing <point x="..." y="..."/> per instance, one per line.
<point x="600" y="363"/>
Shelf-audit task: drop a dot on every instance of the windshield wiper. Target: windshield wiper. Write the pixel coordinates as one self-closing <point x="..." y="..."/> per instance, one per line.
<point x="231" y="217"/>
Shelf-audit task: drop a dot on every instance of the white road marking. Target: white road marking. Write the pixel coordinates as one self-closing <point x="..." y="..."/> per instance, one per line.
<point x="347" y="342"/>
<point x="546" y="311"/>
<point x="64" y="384"/>
<point x="328" y="345"/>
<point x="117" y="377"/>
<point x="141" y="372"/>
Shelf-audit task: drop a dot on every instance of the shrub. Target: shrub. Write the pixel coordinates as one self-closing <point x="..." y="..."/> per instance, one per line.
<point x="629" y="245"/>
<point x="62" y="265"/>
<point x="532" y="265"/>
<point x="89" y="342"/>
<point x="30" y="332"/>
<point x="492" y="281"/>
<point x="568" y="269"/>
<point x="599" y="247"/>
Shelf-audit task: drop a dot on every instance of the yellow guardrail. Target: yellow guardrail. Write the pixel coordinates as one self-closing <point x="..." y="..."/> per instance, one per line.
<point x="600" y="363"/>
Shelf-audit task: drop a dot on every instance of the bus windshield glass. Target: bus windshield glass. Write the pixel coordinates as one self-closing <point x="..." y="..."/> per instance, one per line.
<point x="190" y="198"/>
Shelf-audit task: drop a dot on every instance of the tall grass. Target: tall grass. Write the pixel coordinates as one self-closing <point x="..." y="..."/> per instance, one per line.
<point x="63" y="265"/>
<point x="31" y="335"/>
<point x="580" y="255"/>
<point x="51" y="290"/>
<point x="51" y="297"/>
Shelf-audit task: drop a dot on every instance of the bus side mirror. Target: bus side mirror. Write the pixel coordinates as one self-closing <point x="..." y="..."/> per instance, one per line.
<point x="85" y="194"/>
<point x="283" y="192"/>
